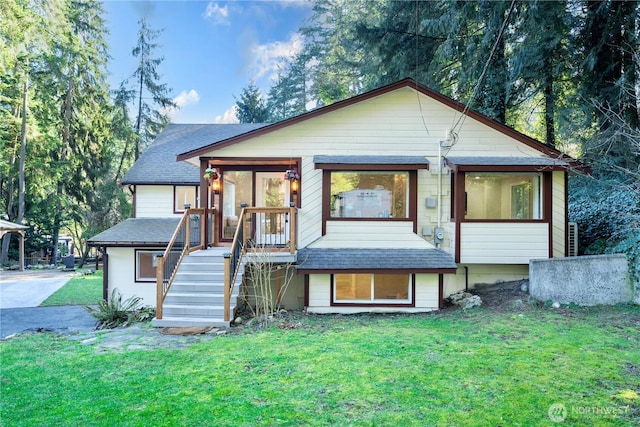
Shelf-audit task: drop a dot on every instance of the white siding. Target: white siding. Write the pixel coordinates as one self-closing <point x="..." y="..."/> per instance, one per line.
<point x="122" y="275"/>
<point x="154" y="201"/>
<point x="319" y="295"/>
<point x="370" y="234"/>
<point x="503" y="243"/>
<point x="395" y="123"/>
<point x="558" y="212"/>
<point x="427" y="291"/>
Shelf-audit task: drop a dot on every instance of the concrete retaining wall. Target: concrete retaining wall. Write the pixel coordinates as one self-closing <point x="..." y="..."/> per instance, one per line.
<point x="584" y="280"/>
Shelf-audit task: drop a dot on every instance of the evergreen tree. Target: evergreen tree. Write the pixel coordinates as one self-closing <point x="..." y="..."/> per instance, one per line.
<point x="251" y="106"/>
<point x="152" y="97"/>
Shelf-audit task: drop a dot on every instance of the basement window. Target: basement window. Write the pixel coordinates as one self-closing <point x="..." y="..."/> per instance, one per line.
<point x="367" y="288"/>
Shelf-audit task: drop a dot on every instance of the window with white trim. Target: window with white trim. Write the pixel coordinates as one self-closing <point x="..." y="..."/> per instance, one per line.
<point x="369" y="288"/>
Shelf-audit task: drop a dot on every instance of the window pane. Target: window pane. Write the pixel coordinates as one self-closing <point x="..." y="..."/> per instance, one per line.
<point x="391" y="286"/>
<point x="358" y="287"/>
<point x="369" y="194"/>
<point x="185" y="195"/>
<point x="353" y="287"/>
<point x="237" y="187"/>
<point x="144" y="266"/>
<point x="502" y="196"/>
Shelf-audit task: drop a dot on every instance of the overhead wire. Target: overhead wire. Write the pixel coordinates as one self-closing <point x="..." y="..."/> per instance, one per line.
<point x="467" y="106"/>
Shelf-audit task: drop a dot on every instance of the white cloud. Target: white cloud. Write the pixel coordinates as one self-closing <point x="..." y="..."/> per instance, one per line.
<point x="266" y="59"/>
<point x="187" y="98"/>
<point x="184" y="99"/>
<point x="229" y="116"/>
<point x="217" y="14"/>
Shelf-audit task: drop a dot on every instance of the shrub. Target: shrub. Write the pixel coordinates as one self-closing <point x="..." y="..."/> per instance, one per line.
<point x="607" y="211"/>
<point x="116" y="312"/>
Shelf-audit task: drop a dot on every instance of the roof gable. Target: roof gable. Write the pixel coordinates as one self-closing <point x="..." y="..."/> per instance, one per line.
<point x="406" y="83"/>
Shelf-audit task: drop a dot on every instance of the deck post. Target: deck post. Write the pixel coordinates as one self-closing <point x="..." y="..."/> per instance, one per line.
<point x="159" y="286"/>
<point x="292" y="230"/>
<point x="227" y="286"/>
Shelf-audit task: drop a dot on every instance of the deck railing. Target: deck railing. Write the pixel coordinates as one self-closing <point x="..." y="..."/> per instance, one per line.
<point x="270" y="229"/>
<point x="193" y="233"/>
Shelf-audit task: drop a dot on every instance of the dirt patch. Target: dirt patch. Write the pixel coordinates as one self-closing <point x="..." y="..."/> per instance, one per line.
<point x="504" y="296"/>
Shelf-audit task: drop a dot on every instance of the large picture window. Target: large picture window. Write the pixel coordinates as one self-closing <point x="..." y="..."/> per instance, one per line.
<point x="367" y="288"/>
<point x="369" y="194"/>
<point x="515" y="196"/>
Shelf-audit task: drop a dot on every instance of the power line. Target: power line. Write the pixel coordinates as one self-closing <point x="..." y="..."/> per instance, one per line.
<point x="462" y="118"/>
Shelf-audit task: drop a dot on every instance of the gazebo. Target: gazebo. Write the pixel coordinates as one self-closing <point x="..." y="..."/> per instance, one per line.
<point x="12" y="227"/>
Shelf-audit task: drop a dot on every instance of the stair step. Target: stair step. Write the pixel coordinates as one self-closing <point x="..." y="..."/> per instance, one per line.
<point x="186" y="265"/>
<point x="199" y="276"/>
<point x="194" y="310"/>
<point x="197" y="298"/>
<point x="182" y="322"/>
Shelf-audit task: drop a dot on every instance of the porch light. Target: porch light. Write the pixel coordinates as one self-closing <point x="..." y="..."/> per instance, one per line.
<point x="294" y="186"/>
<point x="215" y="186"/>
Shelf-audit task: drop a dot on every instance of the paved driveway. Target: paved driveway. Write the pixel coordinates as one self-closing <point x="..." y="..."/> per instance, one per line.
<point x="28" y="290"/>
<point x="22" y="293"/>
<point x="65" y="319"/>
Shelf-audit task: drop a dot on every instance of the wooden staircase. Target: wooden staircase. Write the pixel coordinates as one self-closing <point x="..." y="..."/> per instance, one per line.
<point x="196" y="297"/>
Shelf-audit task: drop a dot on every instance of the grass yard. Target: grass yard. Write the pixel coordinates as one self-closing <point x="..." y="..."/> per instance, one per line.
<point x="79" y="290"/>
<point x="479" y="368"/>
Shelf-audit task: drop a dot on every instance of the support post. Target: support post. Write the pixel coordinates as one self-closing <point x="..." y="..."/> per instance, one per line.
<point x="292" y="230"/>
<point x="159" y="286"/>
<point x="227" y="286"/>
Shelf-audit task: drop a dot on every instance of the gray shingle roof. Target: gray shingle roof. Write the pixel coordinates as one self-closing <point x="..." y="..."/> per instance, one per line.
<point x="137" y="232"/>
<point x="505" y="161"/>
<point x="374" y="259"/>
<point x="158" y="165"/>
<point x="371" y="160"/>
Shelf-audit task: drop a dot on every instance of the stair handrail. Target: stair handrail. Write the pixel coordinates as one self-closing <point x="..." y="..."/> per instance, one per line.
<point x="166" y="266"/>
<point x="233" y="262"/>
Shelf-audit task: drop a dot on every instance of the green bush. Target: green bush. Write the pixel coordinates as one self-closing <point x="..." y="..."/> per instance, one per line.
<point x="607" y="211"/>
<point x="116" y="312"/>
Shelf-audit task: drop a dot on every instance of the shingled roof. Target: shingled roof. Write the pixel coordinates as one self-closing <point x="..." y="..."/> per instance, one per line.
<point x="355" y="259"/>
<point x="137" y="232"/>
<point x="158" y="164"/>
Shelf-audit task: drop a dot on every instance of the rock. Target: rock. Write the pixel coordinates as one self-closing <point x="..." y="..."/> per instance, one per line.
<point x="221" y="332"/>
<point x="465" y="300"/>
<point x="238" y="320"/>
<point x="89" y="341"/>
<point x="524" y="287"/>
<point x="472" y="301"/>
<point x="556" y="304"/>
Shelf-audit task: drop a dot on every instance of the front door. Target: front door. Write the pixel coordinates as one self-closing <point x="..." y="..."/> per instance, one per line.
<point x="272" y="191"/>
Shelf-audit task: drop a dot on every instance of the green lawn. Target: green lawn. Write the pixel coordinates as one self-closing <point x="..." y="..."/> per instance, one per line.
<point x="79" y="290"/>
<point x="479" y="368"/>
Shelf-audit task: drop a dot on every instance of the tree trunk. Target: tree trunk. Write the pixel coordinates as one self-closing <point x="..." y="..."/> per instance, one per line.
<point x="549" y="102"/>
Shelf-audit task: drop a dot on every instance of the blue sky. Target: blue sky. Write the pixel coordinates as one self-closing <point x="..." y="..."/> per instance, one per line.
<point x="211" y="49"/>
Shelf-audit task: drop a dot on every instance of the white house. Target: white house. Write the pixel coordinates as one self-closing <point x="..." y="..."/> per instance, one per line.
<point x="400" y="202"/>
